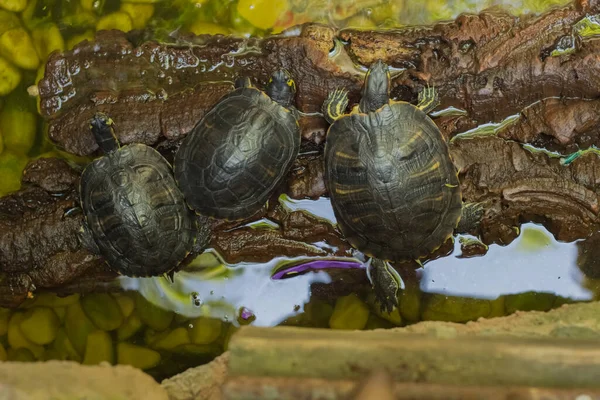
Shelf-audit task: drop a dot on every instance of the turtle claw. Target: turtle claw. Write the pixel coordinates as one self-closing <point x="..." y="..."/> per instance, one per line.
<point x="170" y="276"/>
<point x="87" y="240"/>
<point x="386" y="302"/>
<point x="386" y="282"/>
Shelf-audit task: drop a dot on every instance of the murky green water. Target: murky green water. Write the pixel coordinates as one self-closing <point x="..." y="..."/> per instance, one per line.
<point x="166" y="327"/>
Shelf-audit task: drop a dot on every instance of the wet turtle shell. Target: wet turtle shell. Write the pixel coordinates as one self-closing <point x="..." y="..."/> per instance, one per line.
<point x="229" y="165"/>
<point x="135" y="212"/>
<point x="393" y="187"/>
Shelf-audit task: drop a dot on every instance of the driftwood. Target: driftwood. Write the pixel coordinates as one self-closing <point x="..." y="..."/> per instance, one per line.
<point x="292" y="363"/>
<point x="417" y="369"/>
<point x="490" y="66"/>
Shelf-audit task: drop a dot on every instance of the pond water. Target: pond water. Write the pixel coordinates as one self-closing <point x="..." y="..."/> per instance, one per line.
<point x="165" y="327"/>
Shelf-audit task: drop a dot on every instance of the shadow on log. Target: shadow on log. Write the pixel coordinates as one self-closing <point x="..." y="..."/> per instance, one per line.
<point x="157" y="92"/>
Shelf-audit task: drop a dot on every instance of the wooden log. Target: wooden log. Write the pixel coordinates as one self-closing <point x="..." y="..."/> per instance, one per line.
<point x="258" y="388"/>
<point x="156" y="93"/>
<point x="490" y="65"/>
<point x="302" y="353"/>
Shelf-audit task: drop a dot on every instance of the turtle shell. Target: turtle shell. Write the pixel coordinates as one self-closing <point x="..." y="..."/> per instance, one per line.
<point x="393" y="187"/>
<point x="135" y="212"/>
<point x="234" y="158"/>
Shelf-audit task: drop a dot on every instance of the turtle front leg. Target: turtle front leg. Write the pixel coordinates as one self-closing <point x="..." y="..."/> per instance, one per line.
<point x="386" y="282"/>
<point x="428" y="100"/>
<point x="87" y="240"/>
<point x="470" y="218"/>
<point x="335" y="105"/>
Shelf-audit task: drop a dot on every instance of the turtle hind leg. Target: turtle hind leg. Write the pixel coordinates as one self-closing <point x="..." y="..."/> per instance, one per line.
<point x="87" y="240"/>
<point x="203" y="234"/>
<point x="243" y="81"/>
<point x="335" y="105"/>
<point x="428" y="99"/>
<point x="470" y="218"/>
<point x="386" y="282"/>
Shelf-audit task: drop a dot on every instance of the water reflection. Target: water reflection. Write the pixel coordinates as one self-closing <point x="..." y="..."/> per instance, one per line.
<point x="282" y="288"/>
<point x="222" y="290"/>
<point x="535" y="261"/>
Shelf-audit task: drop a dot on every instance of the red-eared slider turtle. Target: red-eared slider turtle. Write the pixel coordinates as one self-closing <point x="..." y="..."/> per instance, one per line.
<point x="236" y="156"/>
<point x="394" y="189"/>
<point x="135" y="215"/>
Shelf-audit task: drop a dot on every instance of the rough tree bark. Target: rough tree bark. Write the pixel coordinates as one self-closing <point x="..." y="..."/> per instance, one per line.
<point x="490" y="66"/>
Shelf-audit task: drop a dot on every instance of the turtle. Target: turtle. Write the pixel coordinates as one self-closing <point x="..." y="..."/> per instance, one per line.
<point x="135" y="216"/>
<point x="241" y="150"/>
<point x="393" y="187"/>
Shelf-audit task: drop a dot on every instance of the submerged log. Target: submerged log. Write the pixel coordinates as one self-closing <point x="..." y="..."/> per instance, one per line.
<point x="157" y="92"/>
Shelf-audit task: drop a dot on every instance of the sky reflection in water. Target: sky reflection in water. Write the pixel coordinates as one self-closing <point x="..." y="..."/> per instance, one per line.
<point x="535" y="261"/>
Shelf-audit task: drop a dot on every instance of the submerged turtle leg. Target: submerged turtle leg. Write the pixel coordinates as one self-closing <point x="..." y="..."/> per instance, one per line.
<point x="86" y="239"/>
<point x="335" y="105"/>
<point x="243" y="81"/>
<point x="471" y="216"/>
<point x="386" y="281"/>
<point x="203" y="234"/>
<point x="428" y="100"/>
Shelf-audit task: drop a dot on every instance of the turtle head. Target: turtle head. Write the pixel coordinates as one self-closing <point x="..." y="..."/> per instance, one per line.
<point x="102" y="129"/>
<point x="282" y="88"/>
<point x="376" y="90"/>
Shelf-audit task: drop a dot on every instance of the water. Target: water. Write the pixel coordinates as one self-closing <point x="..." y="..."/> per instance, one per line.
<point x="534" y="262"/>
<point x="198" y="312"/>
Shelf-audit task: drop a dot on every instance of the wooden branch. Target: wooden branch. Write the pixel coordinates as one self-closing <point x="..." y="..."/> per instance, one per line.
<point x="276" y="354"/>
<point x="491" y="65"/>
<point x="256" y="388"/>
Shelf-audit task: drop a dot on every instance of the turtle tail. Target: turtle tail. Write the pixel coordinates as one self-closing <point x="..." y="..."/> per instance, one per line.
<point x="102" y="128"/>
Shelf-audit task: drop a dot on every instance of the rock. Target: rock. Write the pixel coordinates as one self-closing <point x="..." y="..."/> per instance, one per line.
<point x="205" y="330"/>
<point x="153" y="316"/>
<point x="40" y="325"/>
<point x="349" y="313"/>
<point x="200" y="383"/>
<point x="103" y="310"/>
<point x="98" y="348"/>
<point x="66" y="379"/>
<point x="136" y="356"/>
